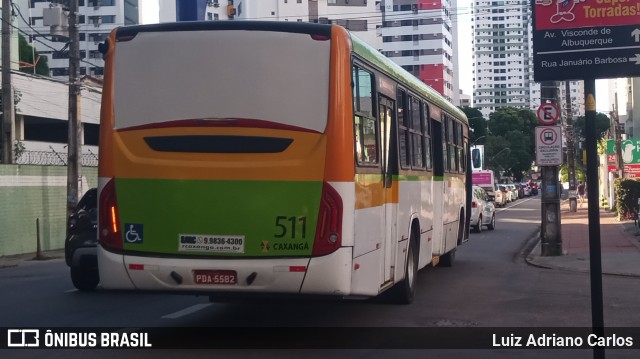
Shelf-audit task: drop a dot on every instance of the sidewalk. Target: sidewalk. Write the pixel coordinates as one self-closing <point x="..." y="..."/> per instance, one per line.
<point x="619" y="243"/>
<point x="12" y="261"/>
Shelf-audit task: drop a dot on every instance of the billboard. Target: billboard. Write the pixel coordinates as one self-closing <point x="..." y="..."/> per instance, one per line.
<point x="630" y="157"/>
<point x="482" y="178"/>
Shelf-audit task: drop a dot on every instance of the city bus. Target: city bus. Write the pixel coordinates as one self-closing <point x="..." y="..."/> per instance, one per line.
<point x="242" y="158"/>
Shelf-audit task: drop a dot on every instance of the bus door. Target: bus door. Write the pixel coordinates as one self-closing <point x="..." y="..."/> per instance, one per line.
<point x="438" y="185"/>
<point x="386" y="113"/>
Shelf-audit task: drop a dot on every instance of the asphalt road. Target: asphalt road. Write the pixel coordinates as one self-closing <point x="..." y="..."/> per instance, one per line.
<point x="490" y="285"/>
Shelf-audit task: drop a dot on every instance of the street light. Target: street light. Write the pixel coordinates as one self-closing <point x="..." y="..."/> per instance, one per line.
<point x="477" y="139"/>
<point x="499" y="152"/>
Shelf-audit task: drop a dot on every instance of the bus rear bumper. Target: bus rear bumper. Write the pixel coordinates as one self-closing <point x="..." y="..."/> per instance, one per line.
<point x="326" y="275"/>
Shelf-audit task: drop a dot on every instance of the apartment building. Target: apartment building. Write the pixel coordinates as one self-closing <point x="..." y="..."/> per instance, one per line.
<point x="96" y="18"/>
<point x="503" y="71"/>
<point x="503" y="53"/>
<point x="419" y="35"/>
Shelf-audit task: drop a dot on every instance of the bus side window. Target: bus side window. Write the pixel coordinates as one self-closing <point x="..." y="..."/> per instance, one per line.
<point x="365" y="124"/>
<point x="403" y="129"/>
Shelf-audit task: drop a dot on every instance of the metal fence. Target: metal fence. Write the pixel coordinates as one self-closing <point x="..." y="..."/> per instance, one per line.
<point x="53" y="158"/>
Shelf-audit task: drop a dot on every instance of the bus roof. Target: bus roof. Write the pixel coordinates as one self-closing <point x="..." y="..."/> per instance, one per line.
<point x="367" y="52"/>
<point x="294" y="27"/>
<point x="359" y="47"/>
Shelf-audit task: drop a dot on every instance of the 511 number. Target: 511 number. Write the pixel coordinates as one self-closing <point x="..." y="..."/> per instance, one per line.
<point x="286" y="225"/>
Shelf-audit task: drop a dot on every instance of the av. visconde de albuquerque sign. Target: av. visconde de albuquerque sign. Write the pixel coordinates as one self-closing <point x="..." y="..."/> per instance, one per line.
<point x="575" y="39"/>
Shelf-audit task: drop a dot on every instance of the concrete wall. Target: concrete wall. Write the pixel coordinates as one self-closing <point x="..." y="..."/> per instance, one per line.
<point x="28" y="193"/>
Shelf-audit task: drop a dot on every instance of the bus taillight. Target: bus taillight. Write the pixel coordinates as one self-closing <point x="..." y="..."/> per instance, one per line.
<point x="329" y="230"/>
<point x="109" y="230"/>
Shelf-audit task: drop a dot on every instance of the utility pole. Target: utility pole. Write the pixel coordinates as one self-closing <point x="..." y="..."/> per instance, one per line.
<point x="617" y="136"/>
<point x="75" y="126"/>
<point x="551" y="234"/>
<point x="595" y="247"/>
<point x="571" y="150"/>
<point x="8" y="113"/>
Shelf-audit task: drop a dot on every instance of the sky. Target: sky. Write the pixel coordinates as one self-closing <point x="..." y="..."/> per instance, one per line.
<point x="150" y="8"/>
<point x="149" y="13"/>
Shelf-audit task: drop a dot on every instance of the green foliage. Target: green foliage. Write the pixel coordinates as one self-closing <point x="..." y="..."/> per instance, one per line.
<point x="18" y="149"/>
<point x="477" y="123"/>
<point x="602" y="146"/>
<point x="627" y="192"/>
<point x="27" y="56"/>
<point x="512" y="128"/>
<point x="602" y="126"/>
<point x="580" y="173"/>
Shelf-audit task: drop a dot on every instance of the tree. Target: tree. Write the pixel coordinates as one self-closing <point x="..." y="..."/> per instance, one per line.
<point x="477" y="123"/>
<point x="512" y="128"/>
<point x="603" y="123"/>
<point x="564" y="173"/>
<point x="27" y="53"/>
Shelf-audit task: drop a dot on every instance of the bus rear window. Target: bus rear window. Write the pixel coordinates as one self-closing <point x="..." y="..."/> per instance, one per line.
<point x="259" y="75"/>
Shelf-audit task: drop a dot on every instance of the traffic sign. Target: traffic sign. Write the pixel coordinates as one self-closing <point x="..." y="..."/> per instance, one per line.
<point x="576" y="39"/>
<point x="548" y="113"/>
<point x="548" y="146"/>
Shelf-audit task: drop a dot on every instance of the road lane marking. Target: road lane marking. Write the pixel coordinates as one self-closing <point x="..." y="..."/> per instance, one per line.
<point x="515" y="204"/>
<point x="192" y="309"/>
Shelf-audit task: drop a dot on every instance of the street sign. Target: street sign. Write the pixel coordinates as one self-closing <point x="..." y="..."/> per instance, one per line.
<point x="548" y="113"/>
<point x="548" y="146"/>
<point x="576" y="39"/>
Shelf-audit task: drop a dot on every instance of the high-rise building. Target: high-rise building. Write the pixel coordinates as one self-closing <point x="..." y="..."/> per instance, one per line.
<point x="96" y="19"/>
<point x="503" y="53"/>
<point x="419" y="35"/>
<point x="503" y="74"/>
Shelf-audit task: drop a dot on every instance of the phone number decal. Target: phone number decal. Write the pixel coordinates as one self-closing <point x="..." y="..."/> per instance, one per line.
<point x="211" y="243"/>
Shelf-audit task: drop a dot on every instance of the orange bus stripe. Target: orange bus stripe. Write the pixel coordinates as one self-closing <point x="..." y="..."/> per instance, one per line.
<point x="340" y="137"/>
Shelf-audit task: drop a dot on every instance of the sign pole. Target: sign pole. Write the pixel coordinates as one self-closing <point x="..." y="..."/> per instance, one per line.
<point x="551" y="234"/>
<point x="595" y="257"/>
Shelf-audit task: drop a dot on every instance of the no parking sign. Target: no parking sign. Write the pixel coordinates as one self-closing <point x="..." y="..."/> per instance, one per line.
<point x="548" y="113"/>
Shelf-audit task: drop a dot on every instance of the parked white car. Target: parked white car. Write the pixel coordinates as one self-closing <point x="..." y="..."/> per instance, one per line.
<point x="513" y="191"/>
<point x="483" y="211"/>
<point x="505" y="192"/>
<point x="495" y="194"/>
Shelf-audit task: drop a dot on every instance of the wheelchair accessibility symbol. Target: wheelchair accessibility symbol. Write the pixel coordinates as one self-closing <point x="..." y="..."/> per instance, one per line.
<point x="134" y="233"/>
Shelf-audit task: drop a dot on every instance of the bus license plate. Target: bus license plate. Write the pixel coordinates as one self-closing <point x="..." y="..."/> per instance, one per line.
<point x="215" y="277"/>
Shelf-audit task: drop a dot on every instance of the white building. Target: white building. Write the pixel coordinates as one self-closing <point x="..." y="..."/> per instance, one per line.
<point x="41" y="121"/>
<point x="96" y="18"/>
<point x="503" y="53"/>
<point x="503" y="71"/>
<point x="419" y="35"/>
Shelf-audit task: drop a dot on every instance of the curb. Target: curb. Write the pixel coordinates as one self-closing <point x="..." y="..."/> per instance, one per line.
<point x="15" y="260"/>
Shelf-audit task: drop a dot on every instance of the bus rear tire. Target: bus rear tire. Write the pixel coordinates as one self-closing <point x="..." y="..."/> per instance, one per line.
<point x="84" y="279"/>
<point x="404" y="292"/>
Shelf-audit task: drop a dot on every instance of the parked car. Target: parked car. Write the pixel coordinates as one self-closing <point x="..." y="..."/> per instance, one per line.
<point x="80" y="246"/>
<point x="483" y="211"/>
<point x="505" y="191"/>
<point x="495" y="194"/>
<point x="514" y="191"/>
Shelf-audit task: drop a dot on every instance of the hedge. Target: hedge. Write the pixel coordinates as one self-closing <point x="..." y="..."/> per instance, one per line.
<point x="627" y="192"/>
